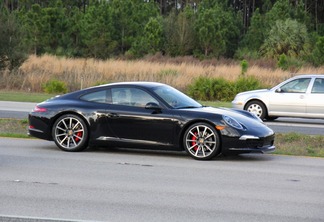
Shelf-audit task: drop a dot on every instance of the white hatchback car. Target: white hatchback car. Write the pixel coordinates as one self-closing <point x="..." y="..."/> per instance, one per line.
<point x="300" y="96"/>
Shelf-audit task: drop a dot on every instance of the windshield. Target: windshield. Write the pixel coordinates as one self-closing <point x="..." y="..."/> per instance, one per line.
<point x="175" y="98"/>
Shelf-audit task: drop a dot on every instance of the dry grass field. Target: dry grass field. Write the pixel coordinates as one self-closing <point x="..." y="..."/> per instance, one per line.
<point x="81" y="73"/>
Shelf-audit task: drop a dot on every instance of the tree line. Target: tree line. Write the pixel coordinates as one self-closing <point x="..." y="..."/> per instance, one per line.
<point x="287" y="30"/>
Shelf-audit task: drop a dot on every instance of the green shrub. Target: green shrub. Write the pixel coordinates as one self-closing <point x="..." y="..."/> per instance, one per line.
<point x="201" y="89"/>
<point x="318" y="53"/>
<point x="247" y="83"/>
<point x="244" y="67"/>
<point x="219" y="89"/>
<point x="208" y="89"/>
<point x="283" y="62"/>
<point x="55" y="86"/>
<point x="289" y="63"/>
<point x="222" y="90"/>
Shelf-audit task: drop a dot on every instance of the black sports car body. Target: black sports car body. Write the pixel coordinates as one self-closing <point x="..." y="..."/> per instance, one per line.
<point x="147" y="115"/>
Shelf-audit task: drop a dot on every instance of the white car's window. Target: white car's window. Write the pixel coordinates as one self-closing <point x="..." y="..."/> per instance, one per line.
<point x="318" y="86"/>
<point x="131" y="97"/>
<point x="296" y="86"/>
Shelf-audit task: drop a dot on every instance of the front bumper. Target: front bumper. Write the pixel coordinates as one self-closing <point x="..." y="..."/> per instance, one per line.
<point x="248" y="144"/>
<point x="238" y="104"/>
<point x="267" y="149"/>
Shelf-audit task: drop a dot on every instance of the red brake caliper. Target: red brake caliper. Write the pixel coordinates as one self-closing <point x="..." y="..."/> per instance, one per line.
<point x="193" y="143"/>
<point x="79" y="134"/>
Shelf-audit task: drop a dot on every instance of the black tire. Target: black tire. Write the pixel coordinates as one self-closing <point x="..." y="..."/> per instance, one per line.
<point x="70" y="133"/>
<point x="258" y="108"/>
<point x="270" y="118"/>
<point x="201" y="141"/>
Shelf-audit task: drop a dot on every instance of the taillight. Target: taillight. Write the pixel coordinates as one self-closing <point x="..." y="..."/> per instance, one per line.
<point x="39" y="109"/>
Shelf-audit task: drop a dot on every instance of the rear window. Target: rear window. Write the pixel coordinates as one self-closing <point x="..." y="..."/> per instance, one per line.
<point x="102" y="96"/>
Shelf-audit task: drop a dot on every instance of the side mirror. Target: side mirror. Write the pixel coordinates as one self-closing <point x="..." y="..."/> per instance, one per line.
<point x="153" y="106"/>
<point x="279" y="90"/>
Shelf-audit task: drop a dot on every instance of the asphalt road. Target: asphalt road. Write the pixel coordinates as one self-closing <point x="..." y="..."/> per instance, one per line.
<point x="297" y="125"/>
<point x="20" y="110"/>
<point x="39" y="181"/>
<point x="17" y="110"/>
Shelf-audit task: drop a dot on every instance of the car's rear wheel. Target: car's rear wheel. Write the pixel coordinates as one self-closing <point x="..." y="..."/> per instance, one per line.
<point x="70" y="133"/>
<point x="201" y="141"/>
<point x="258" y="108"/>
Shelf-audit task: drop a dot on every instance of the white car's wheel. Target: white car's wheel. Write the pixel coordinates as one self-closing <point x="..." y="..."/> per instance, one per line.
<point x="257" y="108"/>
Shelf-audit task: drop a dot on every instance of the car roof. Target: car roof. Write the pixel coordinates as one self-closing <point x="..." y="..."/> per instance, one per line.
<point x="99" y="87"/>
<point x="308" y="75"/>
<point x="135" y="83"/>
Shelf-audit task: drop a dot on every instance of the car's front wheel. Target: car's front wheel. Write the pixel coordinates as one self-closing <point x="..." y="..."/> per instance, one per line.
<point x="70" y="133"/>
<point x="201" y="141"/>
<point x="270" y="118"/>
<point x="258" y="108"/>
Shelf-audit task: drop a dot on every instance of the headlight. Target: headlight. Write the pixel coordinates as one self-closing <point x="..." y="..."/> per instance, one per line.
<point x="232" y="122"/>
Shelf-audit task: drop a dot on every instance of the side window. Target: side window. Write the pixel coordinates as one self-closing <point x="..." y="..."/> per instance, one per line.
<point x="102" y="96"/>
<point x="296" y="86"/>
<point x="120" y="96"/>
<point x="140" y="98"/>
<point x="318" y="86"/>
<point x="131" y="97"/>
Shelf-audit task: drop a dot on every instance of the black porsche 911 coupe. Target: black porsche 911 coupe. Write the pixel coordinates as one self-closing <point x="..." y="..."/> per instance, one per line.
<point x="147" y="115"/>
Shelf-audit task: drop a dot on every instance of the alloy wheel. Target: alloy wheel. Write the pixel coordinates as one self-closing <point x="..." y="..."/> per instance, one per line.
<point x="70" y="133"/>
<point x="201" y="141"/>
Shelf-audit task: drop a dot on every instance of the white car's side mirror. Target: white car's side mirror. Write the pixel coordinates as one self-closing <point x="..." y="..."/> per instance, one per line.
<point x="279" y="90"/>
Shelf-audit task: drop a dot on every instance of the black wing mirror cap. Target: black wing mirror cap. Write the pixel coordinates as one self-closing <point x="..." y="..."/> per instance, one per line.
<point x="153" y="106"/>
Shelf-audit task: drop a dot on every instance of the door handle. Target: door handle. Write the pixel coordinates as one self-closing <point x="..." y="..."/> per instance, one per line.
<point x="112" y="115"/>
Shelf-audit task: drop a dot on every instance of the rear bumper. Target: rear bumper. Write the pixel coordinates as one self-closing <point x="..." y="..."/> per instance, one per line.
<point x="38" y="134"/>
<point x="39" y="127"/>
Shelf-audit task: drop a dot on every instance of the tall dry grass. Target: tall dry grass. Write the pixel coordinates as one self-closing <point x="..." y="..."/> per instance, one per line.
<point x="77" y="73"/>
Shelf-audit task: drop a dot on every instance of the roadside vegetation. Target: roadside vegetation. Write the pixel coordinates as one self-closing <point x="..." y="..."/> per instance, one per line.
<point x="299" y="144"/>
<point x="13" y="128"/>
<point x="204" y="80"/>
<point x="21" y="96"/>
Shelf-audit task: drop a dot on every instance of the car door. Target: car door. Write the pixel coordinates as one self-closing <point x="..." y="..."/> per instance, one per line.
<point x="132" y="122"/>
<point x="99" y="101"/>
<point x="290" y="99"/>
<point x="315" y="100"/>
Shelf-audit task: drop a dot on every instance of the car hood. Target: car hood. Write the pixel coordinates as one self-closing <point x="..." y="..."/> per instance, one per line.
<point x="241" y="116"/>
<point x="250" y="123"/>
<point x="258" y="91"/>
<point x="214" y="110"/>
